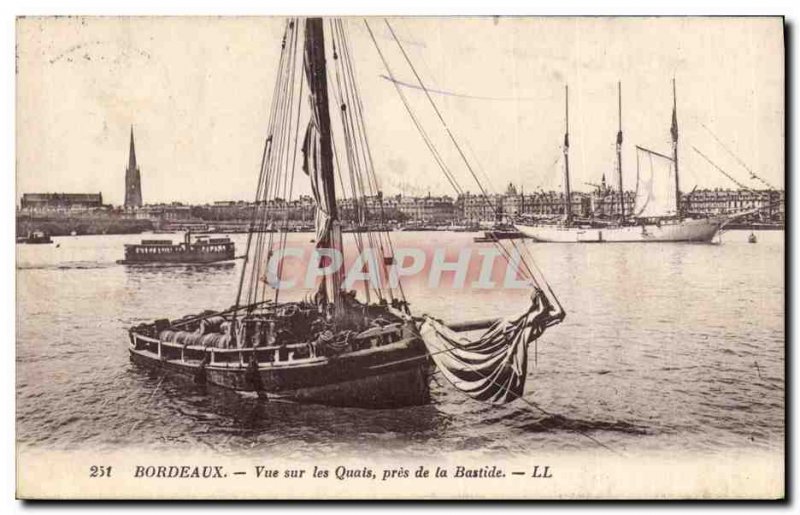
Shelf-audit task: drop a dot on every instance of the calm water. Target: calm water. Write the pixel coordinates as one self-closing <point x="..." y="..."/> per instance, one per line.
<point x="665" y="347"/>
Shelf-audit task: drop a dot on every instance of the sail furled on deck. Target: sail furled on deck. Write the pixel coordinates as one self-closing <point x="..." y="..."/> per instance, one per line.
<point x="494" y="367"/>
<point x="655" y="185"/>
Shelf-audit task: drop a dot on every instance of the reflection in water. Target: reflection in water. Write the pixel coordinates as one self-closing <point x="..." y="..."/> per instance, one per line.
<point x="246" y="421"/>
<point x="658" y="351"/>
<point x="182" y="269"/>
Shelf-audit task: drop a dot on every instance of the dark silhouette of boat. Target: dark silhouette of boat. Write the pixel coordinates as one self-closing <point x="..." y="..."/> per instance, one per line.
<point x="200" y="250"/>
<point x="499" y="232"/>
<point x="35" y="238"/>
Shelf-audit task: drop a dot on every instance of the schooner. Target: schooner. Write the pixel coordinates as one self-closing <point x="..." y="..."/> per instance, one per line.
<point x="338" y="346"/>
<point x="657" y="212"/>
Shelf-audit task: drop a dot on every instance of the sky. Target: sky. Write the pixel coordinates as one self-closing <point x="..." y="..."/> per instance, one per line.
<point x="197" y="92"/>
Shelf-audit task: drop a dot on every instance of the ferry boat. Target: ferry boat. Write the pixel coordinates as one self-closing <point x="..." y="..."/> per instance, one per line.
<point x="202" y="250"/>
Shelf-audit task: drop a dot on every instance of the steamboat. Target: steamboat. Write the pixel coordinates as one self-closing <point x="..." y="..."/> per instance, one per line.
<point x="199" y="250"/>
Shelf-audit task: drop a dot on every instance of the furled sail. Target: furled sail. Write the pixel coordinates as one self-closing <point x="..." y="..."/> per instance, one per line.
<point x="492" y="368"/>
<point x="655" y="185"/>
<point x="318" y="159"/>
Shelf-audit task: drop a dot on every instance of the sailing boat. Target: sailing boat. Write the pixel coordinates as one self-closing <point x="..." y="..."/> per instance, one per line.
<point x="657" y="213"/>
<point x="333" y="347"/>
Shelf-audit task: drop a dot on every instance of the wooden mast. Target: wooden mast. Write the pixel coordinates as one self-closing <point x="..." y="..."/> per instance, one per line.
<point x="318" y="86"/>
<point x="619" y="157"/>
<point x="567" y="192"/>
<point x="674" y="132"/>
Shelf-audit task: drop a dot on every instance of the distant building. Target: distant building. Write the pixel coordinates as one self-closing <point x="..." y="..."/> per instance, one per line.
<point x="133" y="180"/>
<point x="479" y="207"/>
<point x="164" y="212"/>
<point x="61" y="201"/>
<point x="604" y="201"/>
<point x="770" y="203"/>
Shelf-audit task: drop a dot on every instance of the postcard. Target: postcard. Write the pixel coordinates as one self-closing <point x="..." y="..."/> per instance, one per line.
<point x="400" y="258"/>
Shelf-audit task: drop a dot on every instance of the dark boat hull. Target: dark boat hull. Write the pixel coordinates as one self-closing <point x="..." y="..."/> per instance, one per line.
<point x="393" y="376"/>
<point x="35" y="240"/>
<point x="184" y="260"/>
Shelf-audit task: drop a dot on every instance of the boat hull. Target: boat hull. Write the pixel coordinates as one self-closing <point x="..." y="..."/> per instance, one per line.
<point x="392" y="376"/>
<point x="700" y="230"/>
<point x="201" y="260"/>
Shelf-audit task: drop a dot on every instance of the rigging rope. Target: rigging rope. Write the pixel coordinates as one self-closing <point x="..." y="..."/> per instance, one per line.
<point x="434" y="152"/>
<point x="278" y="168"/>
<point x="262" y="171"/>
<point x="439" y="114"/>
<point x="372" y="180"/>
<point x="290" y="181"/>
<point x="538" y="408"/>
<point x="752" y="173"/>
<point x="720" y="170"/>
<point x="506" y="253"/>
<point x="501" y="386"/>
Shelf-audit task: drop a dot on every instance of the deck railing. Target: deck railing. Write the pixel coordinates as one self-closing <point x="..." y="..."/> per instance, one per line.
<point x="266" y="354"/>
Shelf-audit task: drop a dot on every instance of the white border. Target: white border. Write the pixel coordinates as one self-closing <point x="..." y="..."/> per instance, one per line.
<point x="10" y="9"/>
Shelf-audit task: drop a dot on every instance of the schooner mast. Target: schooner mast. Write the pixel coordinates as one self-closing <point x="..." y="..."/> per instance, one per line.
<point x="619" y="157"/>
<point x="567" y="192"/>
<point x="674" y="132"/>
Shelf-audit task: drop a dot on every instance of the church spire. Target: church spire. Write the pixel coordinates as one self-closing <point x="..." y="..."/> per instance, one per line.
<point x="133" y="179"/>
<point x="132" y="154"/>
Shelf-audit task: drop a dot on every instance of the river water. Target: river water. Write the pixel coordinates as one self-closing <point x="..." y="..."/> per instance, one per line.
<point x="665" y="347"/>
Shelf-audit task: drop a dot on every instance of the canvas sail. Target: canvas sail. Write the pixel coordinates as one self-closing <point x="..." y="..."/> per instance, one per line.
<point x="318" y="161"/>
<point x="655" y="185"/>
<point x="492" y="368"/>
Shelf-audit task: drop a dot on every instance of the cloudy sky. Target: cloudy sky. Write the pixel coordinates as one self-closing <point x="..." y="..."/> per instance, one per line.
<point x="198" y="90"/>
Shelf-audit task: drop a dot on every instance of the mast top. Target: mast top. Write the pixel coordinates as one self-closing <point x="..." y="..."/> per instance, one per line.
<point x="674" y="96"/>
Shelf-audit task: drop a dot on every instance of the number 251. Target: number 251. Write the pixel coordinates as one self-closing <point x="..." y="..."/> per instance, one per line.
<point x="99" y="471"/>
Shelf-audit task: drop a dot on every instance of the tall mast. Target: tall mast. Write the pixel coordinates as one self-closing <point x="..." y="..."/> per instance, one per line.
<point x="567" y="193"/>
<point x="619" y="157"/>
<point x="674" y="132"/>
<point x="318" y="84"/>
<point x="331" y="236"/>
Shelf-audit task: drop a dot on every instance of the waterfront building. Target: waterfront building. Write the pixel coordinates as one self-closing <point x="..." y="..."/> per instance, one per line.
<point x="770" y="203"/>
<point x="477" y="208"/>
<point x="173" y="212"/>
<point x="49" y="202"/>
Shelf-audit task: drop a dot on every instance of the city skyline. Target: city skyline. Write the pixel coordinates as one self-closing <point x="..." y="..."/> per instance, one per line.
<point x="200" y="120"/>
